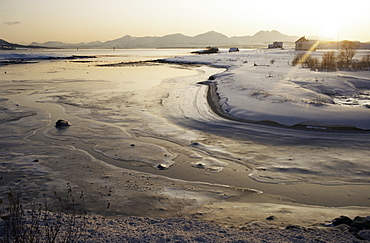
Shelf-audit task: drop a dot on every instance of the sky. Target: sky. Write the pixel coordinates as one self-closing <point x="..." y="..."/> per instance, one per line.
<point x="75" y="21"/>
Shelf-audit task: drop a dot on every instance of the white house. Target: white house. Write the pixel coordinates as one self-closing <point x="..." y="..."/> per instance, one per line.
<point x="302" y="44"/>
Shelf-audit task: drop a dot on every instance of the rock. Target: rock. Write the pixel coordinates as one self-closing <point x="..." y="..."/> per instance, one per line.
<point x="200" y="165"/>
<point x="359" y="220"/>
<point x="359" y="226"/>
<point x="295" y="227"/>
<point x="358" y="223"/>
<point x="343" y="227"/>
<point x="271" y="217"/>
<point x="62" y="124"/>
<point x="364" y="234"/>
<point x="213" y="77"/>
<point x="342" y="220"/>
<point x="361" y="223"/>
<point x="162" y="167"/>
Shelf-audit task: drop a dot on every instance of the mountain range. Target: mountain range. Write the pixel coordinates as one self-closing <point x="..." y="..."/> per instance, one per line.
<point x="4" y="45"/>
<point x="210" y="38"/>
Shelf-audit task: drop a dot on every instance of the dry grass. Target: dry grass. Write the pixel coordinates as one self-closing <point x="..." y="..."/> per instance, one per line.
<point x="260" y="93"/>
<point x="40" y="221"/>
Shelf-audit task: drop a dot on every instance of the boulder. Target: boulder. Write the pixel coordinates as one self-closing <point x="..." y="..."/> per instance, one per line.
<point x="162" y="167"/>
<point x="342" y="220"/>
<point x="271" y="217"/>
<point x="359" y="226"/>
<point x="62" y="124"/>
<point x="364" y="234"/>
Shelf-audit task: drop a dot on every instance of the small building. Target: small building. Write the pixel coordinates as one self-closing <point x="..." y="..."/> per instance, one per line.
<point x="302" y="44"/>
<point x="233" y="49"/>
<point x="275" y="44"/>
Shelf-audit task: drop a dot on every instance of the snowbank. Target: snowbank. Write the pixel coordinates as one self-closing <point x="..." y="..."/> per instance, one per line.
<point x="262" y="85"/>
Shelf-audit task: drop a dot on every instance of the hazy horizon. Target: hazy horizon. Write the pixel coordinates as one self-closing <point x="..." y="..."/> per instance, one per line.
<point x="69" y="21"/>
<point x="127" y="34"/>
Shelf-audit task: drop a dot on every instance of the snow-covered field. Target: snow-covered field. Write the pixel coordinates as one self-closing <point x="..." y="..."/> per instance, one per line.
<point x="262" y="85"/>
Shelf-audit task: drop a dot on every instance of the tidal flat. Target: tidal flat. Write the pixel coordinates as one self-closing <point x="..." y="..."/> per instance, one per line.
<point x="145" y="140"/>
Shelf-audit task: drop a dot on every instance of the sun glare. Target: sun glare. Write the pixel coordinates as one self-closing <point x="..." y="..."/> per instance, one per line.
<point x="330" y="30"/>
<point x="330" y="21"/>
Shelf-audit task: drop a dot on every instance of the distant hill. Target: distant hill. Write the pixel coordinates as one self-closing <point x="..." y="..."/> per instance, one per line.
<point x="274" y="35"/>
<point x="4" y="45"/>
<point x="210" y="38"/>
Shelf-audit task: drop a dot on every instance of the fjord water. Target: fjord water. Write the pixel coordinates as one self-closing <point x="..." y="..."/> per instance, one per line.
<point x="55" y="64"/>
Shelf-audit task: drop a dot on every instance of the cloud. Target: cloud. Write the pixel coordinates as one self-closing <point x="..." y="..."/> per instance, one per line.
<point x="12" y="22"/>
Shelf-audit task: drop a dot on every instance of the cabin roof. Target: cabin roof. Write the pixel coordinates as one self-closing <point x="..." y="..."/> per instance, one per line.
<point x="302" y="39"/>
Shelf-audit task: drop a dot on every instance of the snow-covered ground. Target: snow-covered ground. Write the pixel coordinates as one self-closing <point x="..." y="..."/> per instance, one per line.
<point x="263" y="85"/>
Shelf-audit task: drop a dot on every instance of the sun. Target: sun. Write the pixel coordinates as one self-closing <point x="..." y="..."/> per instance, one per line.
<point x="331" y="18"/>
<point x="330" y="30"/>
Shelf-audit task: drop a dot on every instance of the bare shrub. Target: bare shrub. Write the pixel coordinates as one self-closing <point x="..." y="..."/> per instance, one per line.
<point x="341" y="62"/>
<point x="329" y="61"/>
<point x="319" y="100"/>
<point x="63" y="221"/>
<point x="365" y="62"/>
<point x="312" y="62"/>
<point x="298" y="59"/>
<point x="348" y="52"/>
<point x="306" y="60"/>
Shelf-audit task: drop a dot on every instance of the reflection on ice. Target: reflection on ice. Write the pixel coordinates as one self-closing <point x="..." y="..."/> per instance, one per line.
<point x="89" y="132"/>
<point x="152" y="154"/>
<point x="326" y="166"/>
<point x="198" y="197"/>
<point x="114" y="142"/>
